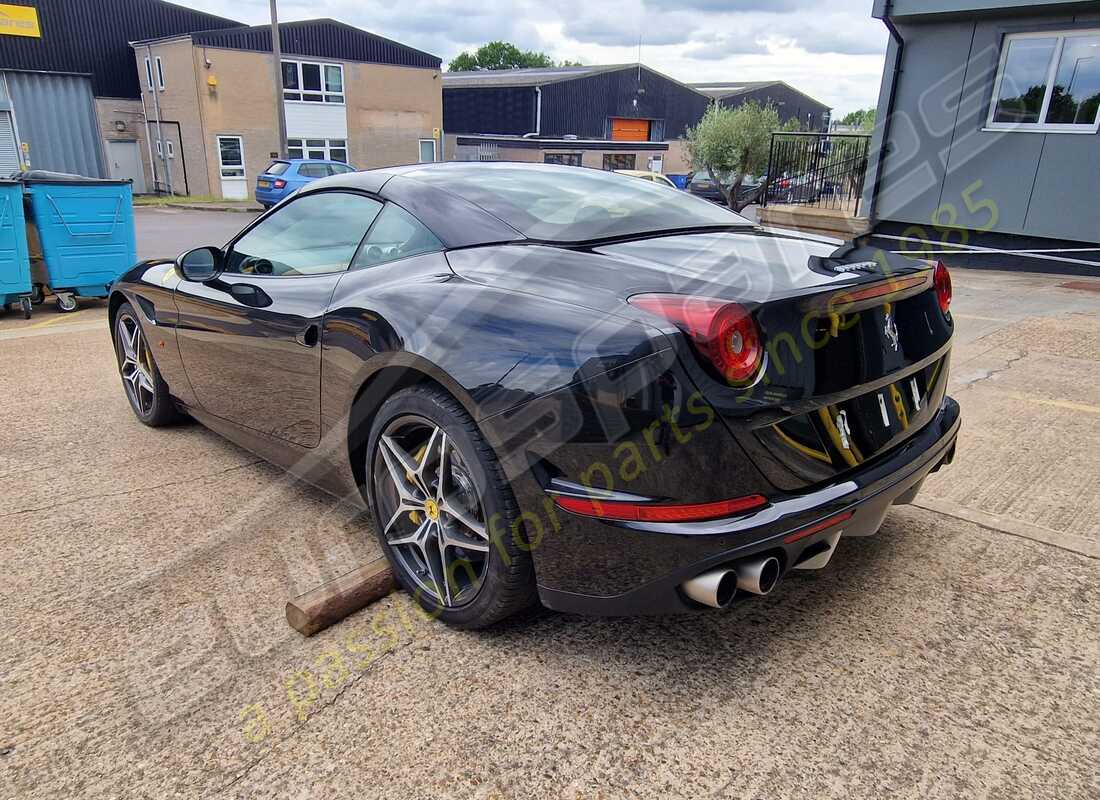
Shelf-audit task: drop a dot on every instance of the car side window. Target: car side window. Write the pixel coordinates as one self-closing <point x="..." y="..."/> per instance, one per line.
<point x="395" y="234"/>
<point x="313" y="235"/>
<point x="313" y="171"/>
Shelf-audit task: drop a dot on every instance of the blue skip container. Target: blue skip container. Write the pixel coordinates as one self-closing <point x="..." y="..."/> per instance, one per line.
<point x="86" y="230"/>
<point x="15" y="265"/>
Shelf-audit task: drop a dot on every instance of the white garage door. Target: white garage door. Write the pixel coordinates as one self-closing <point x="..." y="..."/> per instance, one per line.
<point x="9" y="148"/>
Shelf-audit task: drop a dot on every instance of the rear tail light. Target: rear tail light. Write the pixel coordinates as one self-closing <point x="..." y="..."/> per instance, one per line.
<point x="279" y="183"/>
<point x="658" y="512"/>
<point x="724" y="333"/>
<point x="942" y="279"/>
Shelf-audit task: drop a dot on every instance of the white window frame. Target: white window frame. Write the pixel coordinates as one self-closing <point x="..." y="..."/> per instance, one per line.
<point x="148" y="74"/>
<point x="160" y="149"/>
<point x="435" y="151"/>
<point x="327" y="148"/>
<point x="170" y="147"/>
<point x="160" y="74"/>
<point x="325" y="92"/>
<point x="1052" y="71"/>
<point x="222" y="167"/>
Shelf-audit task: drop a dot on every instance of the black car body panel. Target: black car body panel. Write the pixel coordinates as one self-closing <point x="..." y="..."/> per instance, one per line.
<point x="573" y="386"/>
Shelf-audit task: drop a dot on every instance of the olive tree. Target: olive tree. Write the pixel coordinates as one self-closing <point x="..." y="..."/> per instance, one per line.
<point x="730" y="143"/>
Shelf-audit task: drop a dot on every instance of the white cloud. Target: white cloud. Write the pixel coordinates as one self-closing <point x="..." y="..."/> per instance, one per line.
<point x="831" y="51"/>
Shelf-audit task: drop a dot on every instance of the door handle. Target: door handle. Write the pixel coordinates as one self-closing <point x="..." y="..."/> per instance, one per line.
<point x="308" y="336"/>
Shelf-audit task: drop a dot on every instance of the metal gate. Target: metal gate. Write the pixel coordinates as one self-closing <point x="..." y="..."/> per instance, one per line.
<point x="824" y="170"/>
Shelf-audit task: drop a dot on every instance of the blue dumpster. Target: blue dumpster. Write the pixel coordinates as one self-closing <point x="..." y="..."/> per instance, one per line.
<point x="15" y="267"/>
<point x="86" y="230"/>
<point x="681" y="181"/>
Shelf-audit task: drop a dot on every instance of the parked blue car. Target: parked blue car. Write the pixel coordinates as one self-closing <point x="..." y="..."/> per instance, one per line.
<point x="284" y="176"/>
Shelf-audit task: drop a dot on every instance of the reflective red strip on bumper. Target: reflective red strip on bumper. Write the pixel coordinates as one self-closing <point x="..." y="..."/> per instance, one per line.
<point x="818" y="526"/>
<point x="658" y="512"/>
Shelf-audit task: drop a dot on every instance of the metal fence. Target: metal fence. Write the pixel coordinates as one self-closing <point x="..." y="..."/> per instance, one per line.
<point x="824" y="170"/>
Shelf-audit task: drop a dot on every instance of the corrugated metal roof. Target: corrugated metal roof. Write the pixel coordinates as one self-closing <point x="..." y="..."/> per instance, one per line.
<point x="92" y="37"/>
<point x="720" y="90"/>
<point x="501" y="78"/>
<point x="320" y="38"/>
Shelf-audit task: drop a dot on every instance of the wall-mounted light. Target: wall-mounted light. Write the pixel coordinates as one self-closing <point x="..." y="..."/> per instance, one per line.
<point x="120" y="125"/>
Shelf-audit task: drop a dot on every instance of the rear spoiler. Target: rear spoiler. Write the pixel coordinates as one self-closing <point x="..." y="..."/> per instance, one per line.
<point x="868" y="295"/>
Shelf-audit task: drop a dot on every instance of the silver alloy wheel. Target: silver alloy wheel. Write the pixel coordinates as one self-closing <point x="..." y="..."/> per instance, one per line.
<point x="434" y="516"/>
<point x="135" y="364"/>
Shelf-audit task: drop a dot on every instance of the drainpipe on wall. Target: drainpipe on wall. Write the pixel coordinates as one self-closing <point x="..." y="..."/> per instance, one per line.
<point x="149" y="142"/>
<point x="538" y="111"/>
<point x="884" y="143"/>
<point x="156" y="110"/>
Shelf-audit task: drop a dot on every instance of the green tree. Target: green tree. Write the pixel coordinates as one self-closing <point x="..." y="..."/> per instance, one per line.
<point x="730" y="143"/>
<point x="498" y="55"/>
<point x="863" y="118"/>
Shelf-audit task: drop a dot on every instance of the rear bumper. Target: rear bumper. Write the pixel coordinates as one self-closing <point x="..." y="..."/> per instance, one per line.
<point x="690" y="549"/>
<point x="269" y="196"/>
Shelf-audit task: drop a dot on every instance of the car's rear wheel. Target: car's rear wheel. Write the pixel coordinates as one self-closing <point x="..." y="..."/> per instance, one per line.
<point x="145" y="388"/>
<point x="444" y="512"/>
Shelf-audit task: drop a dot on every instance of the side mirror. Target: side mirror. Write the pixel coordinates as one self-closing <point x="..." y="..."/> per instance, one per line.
<point x="200" y="264"/>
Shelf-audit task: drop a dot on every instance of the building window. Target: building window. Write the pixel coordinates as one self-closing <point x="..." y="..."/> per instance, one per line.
<point x="231" y="156"/>
<point x="1048" y="82"/>
<point x="148" y="75"/>
<point x="170" y="148"/>
<point x="619" y="160"/>
<point x="567" y="159"/>
<point x="160" y="74"/>
<point x="312" y="82"/>
<point x="321" y="149"/>
<point x="427" y="151"/>
<point x="160" y="149"/>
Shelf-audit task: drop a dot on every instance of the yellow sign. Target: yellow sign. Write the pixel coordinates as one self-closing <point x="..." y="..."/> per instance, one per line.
<point x="19" y="21"/>
<point x="435" y="133"/>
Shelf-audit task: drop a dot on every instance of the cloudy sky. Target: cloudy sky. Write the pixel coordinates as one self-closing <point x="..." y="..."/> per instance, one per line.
<point x="830" y="49"/>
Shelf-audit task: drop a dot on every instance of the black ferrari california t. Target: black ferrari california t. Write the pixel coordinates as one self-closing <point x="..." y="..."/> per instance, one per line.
<point x="556" y="384"/>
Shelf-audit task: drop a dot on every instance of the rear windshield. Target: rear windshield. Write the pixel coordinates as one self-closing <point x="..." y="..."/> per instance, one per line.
<point x="277" y="168"/>
<point x="575" y="204"/>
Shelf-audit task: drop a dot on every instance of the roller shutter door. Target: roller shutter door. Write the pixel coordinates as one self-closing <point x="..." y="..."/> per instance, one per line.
<point x="630" y="130"/>
<point x="9" y="148"/>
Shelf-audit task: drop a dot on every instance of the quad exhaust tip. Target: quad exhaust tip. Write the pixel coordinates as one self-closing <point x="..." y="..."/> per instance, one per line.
<point x="758" y="575"/>
<point x="715" y="588"/>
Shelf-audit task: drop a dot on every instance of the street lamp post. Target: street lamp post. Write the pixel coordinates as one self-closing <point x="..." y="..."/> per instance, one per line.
<point x="277" y="63"/>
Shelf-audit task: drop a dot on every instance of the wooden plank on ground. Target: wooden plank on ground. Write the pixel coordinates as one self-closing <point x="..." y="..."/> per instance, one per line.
<point x="330" y="602"/>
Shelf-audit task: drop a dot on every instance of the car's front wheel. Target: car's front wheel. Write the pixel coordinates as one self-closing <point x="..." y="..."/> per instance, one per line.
<point x="145" y="388"/>
<point x="444" y="512"/>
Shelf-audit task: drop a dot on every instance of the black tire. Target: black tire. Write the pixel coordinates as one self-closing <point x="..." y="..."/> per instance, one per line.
<point x="151" y="403"/>
<point x="66" y="303"/>
<point x="507" y="578"/>
<point x="38" y="294"/>
<point x="25" y="304"/>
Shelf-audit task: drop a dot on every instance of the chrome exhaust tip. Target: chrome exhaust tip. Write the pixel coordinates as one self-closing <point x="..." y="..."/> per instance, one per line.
<point x="757" y="576"/>
<point x="715" y="588"/>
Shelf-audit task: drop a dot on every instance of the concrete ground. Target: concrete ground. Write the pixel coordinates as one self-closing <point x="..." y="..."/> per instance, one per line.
<point x="144" y="651"/>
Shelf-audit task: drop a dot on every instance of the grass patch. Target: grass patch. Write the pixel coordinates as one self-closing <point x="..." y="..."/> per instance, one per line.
<point x="165" y="200"/>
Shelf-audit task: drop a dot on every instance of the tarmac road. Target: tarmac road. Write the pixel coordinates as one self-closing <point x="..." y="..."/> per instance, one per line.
<point x="144" y="651"/>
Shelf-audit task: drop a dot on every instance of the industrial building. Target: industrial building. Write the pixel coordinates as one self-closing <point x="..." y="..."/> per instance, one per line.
<point x="789" y="103"/>
<point x="620" y="116"/>
<point x="182" y="101"/>
<point x="348" y="95"/>
<point x="987" y="137"/>
<point x="70" y="100"/>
